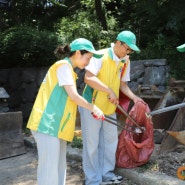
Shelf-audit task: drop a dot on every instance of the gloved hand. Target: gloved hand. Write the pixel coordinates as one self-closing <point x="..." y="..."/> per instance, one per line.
<point x="97" y="113"/>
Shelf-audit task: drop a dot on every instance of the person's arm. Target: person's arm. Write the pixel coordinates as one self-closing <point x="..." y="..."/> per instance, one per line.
<point x="127" y="91"/>
<point x="65" y="79"/>
<point x="95" y="83"/>
<point x="79" y="100"/>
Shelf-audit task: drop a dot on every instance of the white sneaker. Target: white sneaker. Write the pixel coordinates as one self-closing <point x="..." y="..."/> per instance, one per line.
<point x="114" y="180"/>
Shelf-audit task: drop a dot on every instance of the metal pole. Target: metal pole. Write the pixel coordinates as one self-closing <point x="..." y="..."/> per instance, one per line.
<point x="166" y="109"/>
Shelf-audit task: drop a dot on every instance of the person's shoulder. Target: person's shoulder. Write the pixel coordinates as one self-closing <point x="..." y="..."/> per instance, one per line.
<point x="64" y="64"/>
<point x="104" y="50"/>
<point x="99" y="60"/>
<point x="62" y="61"/>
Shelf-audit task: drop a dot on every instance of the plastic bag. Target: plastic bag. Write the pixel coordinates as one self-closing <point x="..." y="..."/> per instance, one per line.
<point x="135" y="149"/>
<point x="124" y="102"/>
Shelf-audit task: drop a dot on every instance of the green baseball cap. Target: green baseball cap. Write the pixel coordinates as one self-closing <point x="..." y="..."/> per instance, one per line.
<point x="181" y="48"/>
<point x="84" y="44"/>
<point x="129" y="39"/>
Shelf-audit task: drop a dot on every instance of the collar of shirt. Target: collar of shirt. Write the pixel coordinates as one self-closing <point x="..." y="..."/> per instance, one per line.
<point x="114" y="56"/>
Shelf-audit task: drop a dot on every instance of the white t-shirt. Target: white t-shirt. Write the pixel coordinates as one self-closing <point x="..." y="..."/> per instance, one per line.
<point x="95" y="65"/>
<point x="64" y="75"/>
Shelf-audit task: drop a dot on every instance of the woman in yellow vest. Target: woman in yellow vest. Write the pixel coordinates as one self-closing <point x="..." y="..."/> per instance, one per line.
<point x="104" y="78"/>
<point x="52" y="120"/>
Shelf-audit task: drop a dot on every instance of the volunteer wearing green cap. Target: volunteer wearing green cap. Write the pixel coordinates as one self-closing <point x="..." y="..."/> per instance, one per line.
<point x="52" y="120"/>
<point x="181" y="48"/>
<point x="104" y="77"/>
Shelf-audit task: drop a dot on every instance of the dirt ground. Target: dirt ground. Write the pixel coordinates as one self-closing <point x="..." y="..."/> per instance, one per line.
<point x="168" y="162"/>
<point x="21" y="170"/>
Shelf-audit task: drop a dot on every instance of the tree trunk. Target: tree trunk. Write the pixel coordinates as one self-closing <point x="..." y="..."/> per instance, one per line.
<point x="100" y="14"/>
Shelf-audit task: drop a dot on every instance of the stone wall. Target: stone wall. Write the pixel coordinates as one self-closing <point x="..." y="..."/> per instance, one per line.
<point x="149" y="72"/>
<point x="22" y="84"/>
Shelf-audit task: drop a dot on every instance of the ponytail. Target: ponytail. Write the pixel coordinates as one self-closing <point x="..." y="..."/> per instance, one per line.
<point x="61" y="51"/>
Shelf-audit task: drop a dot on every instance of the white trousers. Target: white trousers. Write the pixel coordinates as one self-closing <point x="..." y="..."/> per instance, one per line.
<point x="51" y="159"/>
<point x="100" y="140"/>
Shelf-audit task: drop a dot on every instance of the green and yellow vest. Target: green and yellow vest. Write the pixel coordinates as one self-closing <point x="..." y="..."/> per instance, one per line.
<point x="110" y="74"/>
<point x="54" y="113"/>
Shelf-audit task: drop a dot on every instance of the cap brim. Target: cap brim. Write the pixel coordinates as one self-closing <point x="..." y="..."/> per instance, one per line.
<point x="97" y="54"/>
<point x="181" y="48"/>
<point x="134" y="48"/>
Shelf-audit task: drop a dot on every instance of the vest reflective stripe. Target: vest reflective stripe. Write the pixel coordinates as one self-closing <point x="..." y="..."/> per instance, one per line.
<point x="110" y="75"/>
<point x="53" y="112"/>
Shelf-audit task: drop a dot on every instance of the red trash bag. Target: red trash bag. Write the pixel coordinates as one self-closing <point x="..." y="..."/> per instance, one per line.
<point x="135" y="149"/>
<point x="124" y="102"/>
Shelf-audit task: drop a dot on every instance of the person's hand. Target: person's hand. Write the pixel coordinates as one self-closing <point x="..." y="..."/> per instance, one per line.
<point x="113" y="98"/>
<point x="136" y="99"/>
<point x="97" y="113"/>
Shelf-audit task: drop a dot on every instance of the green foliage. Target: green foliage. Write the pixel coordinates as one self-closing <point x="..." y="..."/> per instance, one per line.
<point x="158" y="25"/>
<point x="82" y="24"/>
<point x="77" y="142"/>
<point x="78" y="25"/>
<point x="25" y="46"/>
<point x="88" y="4"/>
<point x="26" y="131"/>
<point x="41" y="14"/>
<point x="177" y="65"/>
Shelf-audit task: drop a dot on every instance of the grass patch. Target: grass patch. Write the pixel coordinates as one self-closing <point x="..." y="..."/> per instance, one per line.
<point x="151" y="166"/>
<point x="77" y="142"/>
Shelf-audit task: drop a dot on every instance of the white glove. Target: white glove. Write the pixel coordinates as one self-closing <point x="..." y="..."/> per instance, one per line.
<point x="97" y="113"/>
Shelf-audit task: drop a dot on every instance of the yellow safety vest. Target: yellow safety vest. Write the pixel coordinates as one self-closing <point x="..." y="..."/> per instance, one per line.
<point x="109" y="74"/>
<point x="54" y="113"/>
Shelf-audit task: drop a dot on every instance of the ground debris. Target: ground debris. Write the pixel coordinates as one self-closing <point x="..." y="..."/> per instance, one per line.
<point x="169" y="162"/>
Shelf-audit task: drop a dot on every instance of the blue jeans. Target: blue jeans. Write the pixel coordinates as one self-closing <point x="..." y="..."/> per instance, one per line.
<point x="100" y="140"/>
